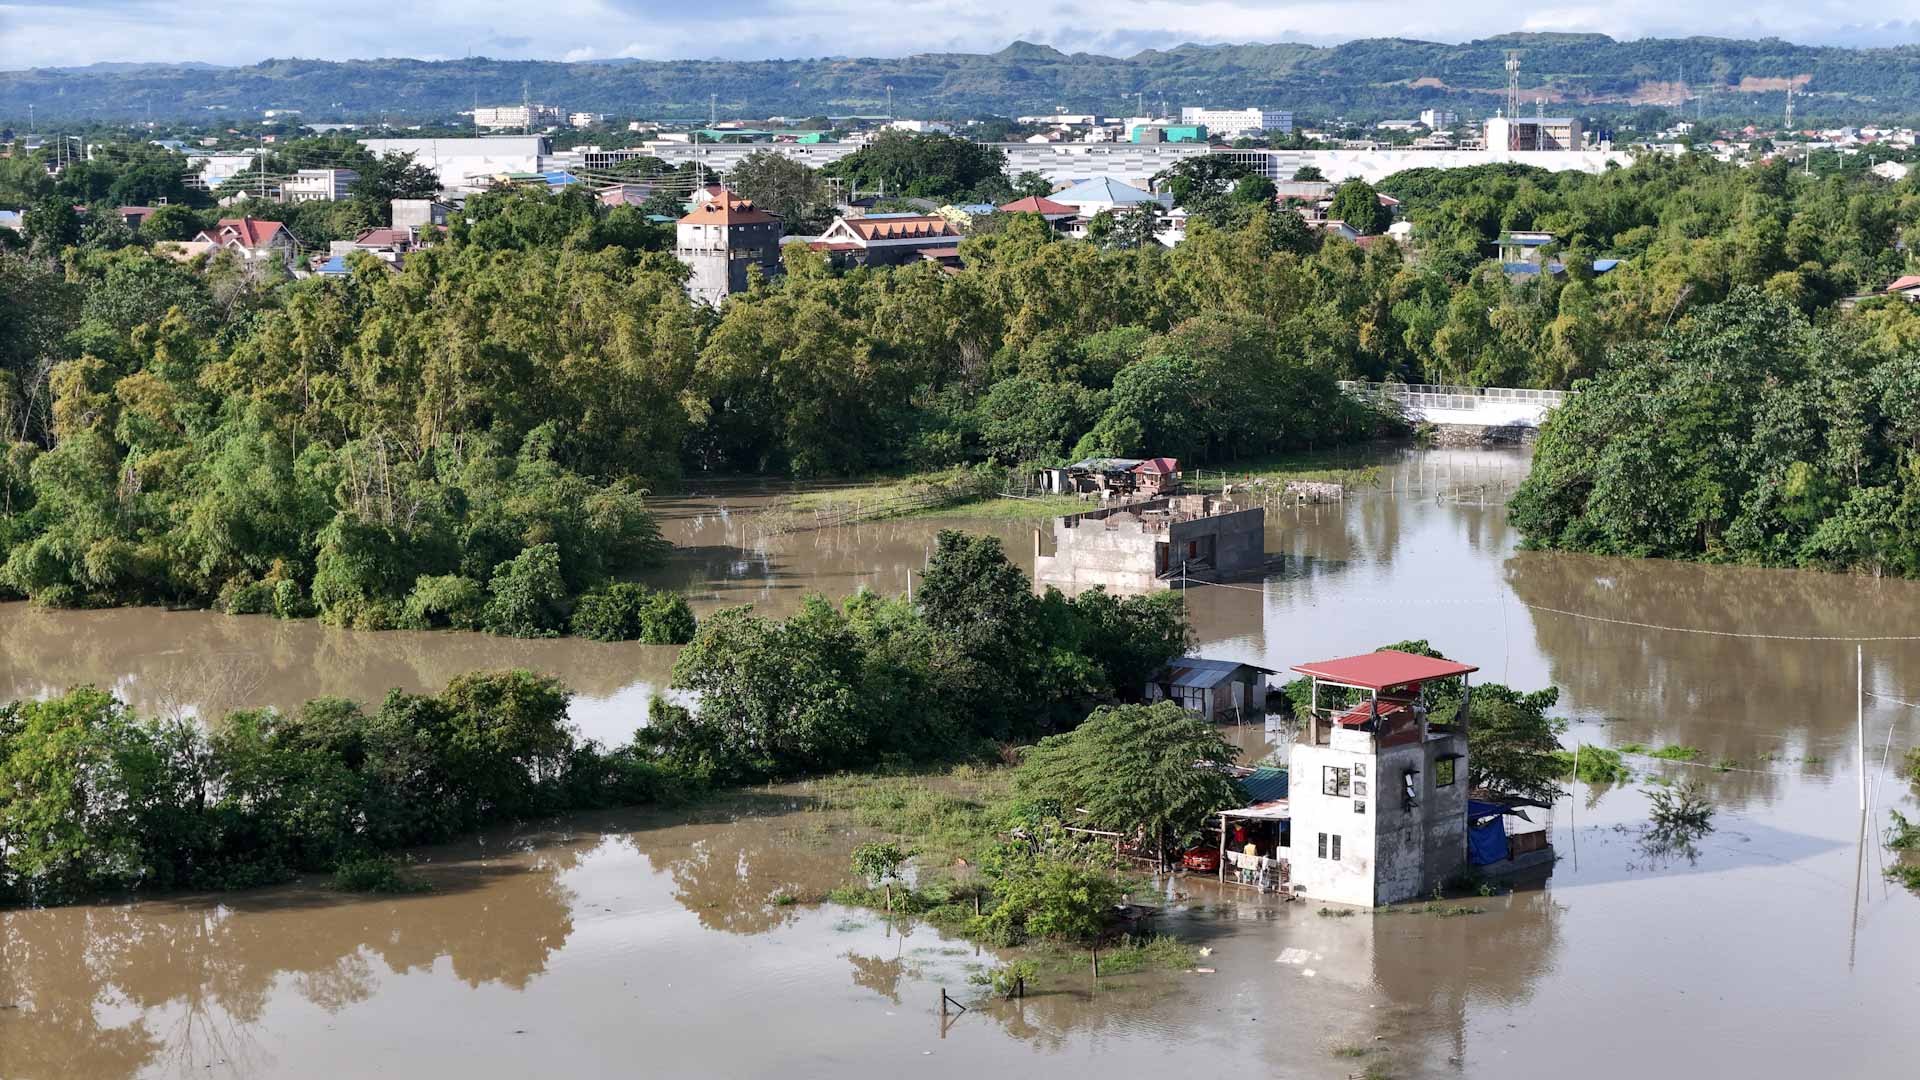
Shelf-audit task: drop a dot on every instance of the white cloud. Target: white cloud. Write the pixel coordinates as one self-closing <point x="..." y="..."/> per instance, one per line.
<point x="575" y="56"/>
<point x="41" y="32"/>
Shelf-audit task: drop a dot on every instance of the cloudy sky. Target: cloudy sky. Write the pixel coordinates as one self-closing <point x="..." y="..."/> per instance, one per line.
<point x="72" y="32"/>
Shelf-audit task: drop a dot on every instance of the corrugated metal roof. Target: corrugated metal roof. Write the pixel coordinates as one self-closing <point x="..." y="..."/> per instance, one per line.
<point x="1264" y="785"/>
<point x="1203" y="672"/>
<point x="1379" y="670"/>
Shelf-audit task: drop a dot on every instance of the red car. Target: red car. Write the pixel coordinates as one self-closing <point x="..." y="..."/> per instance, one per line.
<point x="1201" y="860"/>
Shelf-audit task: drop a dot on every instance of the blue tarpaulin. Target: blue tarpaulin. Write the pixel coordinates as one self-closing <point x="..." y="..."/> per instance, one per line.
<point x="1487" y="842"/>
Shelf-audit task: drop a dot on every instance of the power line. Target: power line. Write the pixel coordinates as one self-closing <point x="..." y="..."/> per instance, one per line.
<point x="1718" y="633"/>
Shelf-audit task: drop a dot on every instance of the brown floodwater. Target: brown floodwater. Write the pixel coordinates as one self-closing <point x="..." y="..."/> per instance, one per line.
<point x="654" y="944"/>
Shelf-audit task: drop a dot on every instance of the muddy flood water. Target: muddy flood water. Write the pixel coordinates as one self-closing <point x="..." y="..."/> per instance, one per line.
<point x="653" y="943"/>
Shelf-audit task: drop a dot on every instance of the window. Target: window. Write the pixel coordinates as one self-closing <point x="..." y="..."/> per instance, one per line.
<point x="1359" y="806"/>
<point x="1359" y="788"/>
<point x="1323" y="845"/>
<point x="1336" y="849"/>
<point x="1336" y="781"/>
<point x="1443" y="772"/>
<point x="1360" y="770"/>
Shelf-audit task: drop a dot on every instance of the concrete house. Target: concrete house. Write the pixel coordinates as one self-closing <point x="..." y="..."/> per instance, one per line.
<point x="719" y="239"/>
<point x="1152" y="544"/>
<point x="1378" y="793"/>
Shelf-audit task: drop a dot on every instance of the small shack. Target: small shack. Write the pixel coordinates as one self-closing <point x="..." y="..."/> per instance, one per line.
<point x="1256" y="840"/>
<point x="1114" y="478"/>
<point x="1152" y="544"/>
<point x="1502" y="839"/>
<point x="1221" y="691"/>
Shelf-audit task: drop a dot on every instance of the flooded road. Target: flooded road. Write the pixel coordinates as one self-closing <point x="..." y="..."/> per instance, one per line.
<point x="651" y="944"/>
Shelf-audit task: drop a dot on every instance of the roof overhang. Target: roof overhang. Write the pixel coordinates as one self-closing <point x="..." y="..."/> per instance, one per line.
<point x="1383" y="669"/>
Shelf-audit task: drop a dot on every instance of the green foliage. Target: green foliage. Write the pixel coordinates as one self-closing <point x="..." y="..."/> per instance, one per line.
<point x="1903" y="835"/>
<point x="526" y="595"/>
<point x="94" y="799"/>
<point x="1910" y="766"/>
<point x="1641" y="462"/>
<point x="625" y="611"/>
<point x="1358" y="204"/>
<point x="1154" y="773"/>
<point x="449" y="600"/>
<point x="376" y="874"/>
<point x="926" y="166"/>
<point x="1598" y="765"/>
<point x="1038" y="898"/>
<point x="879" y="861"/>
<point x="1679" y="815"/>
<point x="980" y="658"/>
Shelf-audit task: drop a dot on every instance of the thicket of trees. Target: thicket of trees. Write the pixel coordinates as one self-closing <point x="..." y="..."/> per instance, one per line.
<point x="380" y="449"/>
<point x="93" y="798"/>
<point x="977" y="658"/>
<point x="1744" y="433"/>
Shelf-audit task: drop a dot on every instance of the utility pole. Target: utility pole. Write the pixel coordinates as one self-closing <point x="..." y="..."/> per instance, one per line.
<point x="1789" y="103"/>
<point x="890" y="115"/>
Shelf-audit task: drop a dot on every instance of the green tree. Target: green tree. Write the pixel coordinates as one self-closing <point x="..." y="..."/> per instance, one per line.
<point x="1153" y="773"/>
<point x="1358" y="204"/>
<point x="784" y="187"/>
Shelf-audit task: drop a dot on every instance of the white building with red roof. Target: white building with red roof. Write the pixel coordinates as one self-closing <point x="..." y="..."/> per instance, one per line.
<point x="255" y="241"/>
<point x="890" y="240"/>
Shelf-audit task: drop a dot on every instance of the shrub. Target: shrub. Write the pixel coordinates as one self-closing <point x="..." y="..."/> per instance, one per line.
<point x="450" y="600"/>
<point x="375" y="874"/>
<point x="289" y="602"/>
<point x="1049" y="898"/>
<point x="527" y="592"/>
<point x="243" y="597"/>
<point x="626" y="611"/>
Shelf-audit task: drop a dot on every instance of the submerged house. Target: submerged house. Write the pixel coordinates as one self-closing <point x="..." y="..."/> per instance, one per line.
<point x="1152" y="544"/>
<point x="1375" y="810"/>
<point x="1221" y="691"/>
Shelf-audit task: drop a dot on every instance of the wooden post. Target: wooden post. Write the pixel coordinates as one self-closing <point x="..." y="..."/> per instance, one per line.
<point x="1096" y="961"/>
<point x="943" y="1003"/>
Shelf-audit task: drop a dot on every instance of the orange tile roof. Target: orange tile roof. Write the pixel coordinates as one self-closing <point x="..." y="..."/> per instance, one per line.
<point x="1904" y="283"/>
<point x="911" y="228"/>
<point x="726" y="209"/>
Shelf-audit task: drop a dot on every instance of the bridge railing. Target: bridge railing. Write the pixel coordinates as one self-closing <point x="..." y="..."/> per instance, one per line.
<point x="1437" y="396"/>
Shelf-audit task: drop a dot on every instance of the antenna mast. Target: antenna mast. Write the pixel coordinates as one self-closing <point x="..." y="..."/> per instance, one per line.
<point x="1513" y="82"/>
<point x="1789" y="103"/>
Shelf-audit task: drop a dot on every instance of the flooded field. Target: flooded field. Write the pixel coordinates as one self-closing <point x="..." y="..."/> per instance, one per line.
<point x="656" y="944"/>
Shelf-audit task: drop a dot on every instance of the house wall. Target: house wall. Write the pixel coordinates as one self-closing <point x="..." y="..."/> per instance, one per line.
<point x="1239" y="540"/>
<point x="1389" y="853"/>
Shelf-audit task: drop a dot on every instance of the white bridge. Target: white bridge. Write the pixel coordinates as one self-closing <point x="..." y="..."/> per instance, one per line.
<point x="1467" y="406"/>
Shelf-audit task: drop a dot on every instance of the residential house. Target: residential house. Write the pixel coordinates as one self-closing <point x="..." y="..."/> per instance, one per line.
<point x="255" y="241"/>
<point x="1906" y="287"/>
<point x="1520" y="250"/>
<point x="1056" y="214"/>
<point x="134" y="215"/>
<point x="625" y="194"/>
<point x="1220" y="691"/>
<point x="420" y="214"/>
<point x="890" y="240"/>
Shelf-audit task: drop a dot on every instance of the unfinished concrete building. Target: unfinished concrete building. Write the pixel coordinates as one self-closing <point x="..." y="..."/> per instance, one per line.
<point x="1151" y="544"/>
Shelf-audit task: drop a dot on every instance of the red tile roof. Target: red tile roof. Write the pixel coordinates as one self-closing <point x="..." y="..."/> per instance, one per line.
<point x="1380" y="670"/>
<point x="1034" y="204"/>
<point x="1165" y="466"/>
<point x="249" y="232"/>
<point x="383" y="238"/>
<point x="1910" y="281"/>
<point x="726" y="209"/>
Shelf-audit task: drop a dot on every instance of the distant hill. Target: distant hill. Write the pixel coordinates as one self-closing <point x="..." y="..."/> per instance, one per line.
<point x="1367" y="79"/>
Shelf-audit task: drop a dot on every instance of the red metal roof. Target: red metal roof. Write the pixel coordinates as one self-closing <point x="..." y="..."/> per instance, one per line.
<point x="1904" y="283"/>
<point x="1165" y="466"/>
<point x="1035" y="204"/>
<point x="1379" y="670"/>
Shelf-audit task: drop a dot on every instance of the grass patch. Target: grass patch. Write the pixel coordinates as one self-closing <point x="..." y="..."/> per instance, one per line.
<point x="376" y="874"/>
<point x="1336" y="913"/>
<point x="1156" y="953"/>
<point x="949" y="817"/>
<point x="1351" y="1050"/>
<point x="1598" y="765"/>
<point x="1003" y="508"/>
<point x="1669" y="752"/>
<point x="884" y="499"/>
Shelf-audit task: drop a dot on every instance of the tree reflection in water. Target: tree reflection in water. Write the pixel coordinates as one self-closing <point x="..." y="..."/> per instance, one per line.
<point x="112" y="990"/>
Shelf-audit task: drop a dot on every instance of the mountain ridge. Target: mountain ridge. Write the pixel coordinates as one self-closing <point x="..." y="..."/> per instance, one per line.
<point x="1366" y="78"/>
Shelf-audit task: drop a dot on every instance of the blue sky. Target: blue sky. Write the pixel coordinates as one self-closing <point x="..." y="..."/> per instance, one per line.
<point x="71" y="32"/>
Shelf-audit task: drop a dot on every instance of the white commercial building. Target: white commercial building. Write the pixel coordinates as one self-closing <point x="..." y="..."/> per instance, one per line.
<point x="317" y="185"/>
<point x="216" y="169"/>
<point x="1439" y="119"/>
<point x="1236" y="121"/>
<point x="468" y="164"/>
<point x="518" y="116"/>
